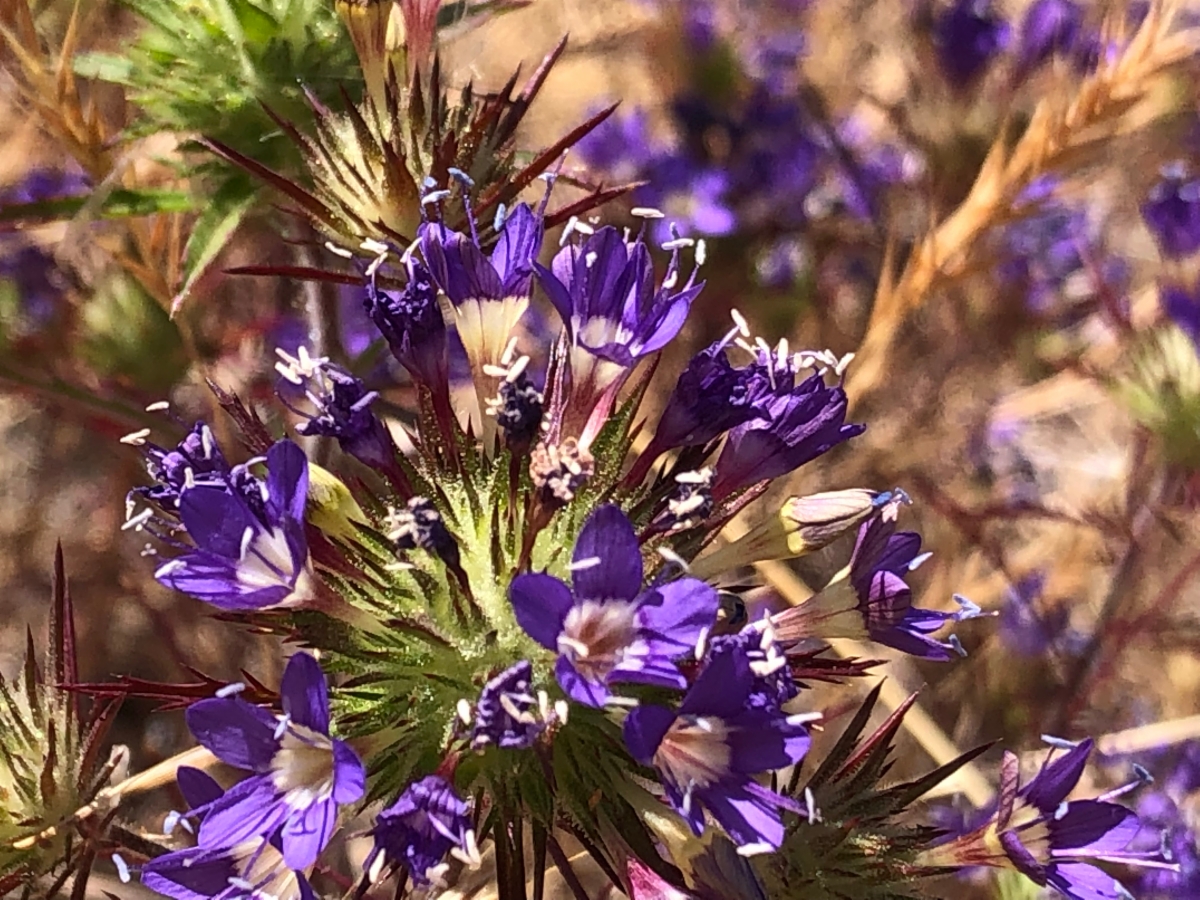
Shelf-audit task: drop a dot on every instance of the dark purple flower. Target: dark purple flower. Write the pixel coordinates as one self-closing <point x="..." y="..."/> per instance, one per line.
<point x="605" y="292"/>
<point x="621" y="146"/>
<point x="1168" y="821"/>
<point x="1028" y="629"/>
<point x="1182" y="306"/>
<point x="967" y="36"/>
<point x="197" y="460"/>
<point x="1172" y="211"/>
<point x="300" y="774"/>
<point x="605" y="627"/>
<point x="773" y="684"/>
<point x="1051" y="840"/>
<point x="489" y="293"/>
<point x="709" y="751"/>
<point x="506" y="715"/>
<point x="411" y="322"/>
<point x="872" y="600"/>
<point x="1049" y="27"/>
<point x="250" y="548"/>
<point x="795" y="424"/>
<point x="427" y="821"/>
<point x="343" y="409"/>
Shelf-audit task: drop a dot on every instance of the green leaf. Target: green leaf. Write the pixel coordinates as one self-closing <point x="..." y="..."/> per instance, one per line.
<point x="212" y="232"/>
<point x="122" y="203"/>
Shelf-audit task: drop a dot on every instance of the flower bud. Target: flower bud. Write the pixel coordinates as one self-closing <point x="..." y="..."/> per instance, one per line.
<point x="331" y="507"/>
<point x="803" y="525"/>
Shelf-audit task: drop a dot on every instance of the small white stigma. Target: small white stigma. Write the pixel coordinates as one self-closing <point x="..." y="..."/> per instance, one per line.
<point x="468" y="854"/>
<point x="373" y="246"/>
<point x="136" y="522"/>
<point x="702" y="643"/>
<point x="463" y="708"/>
<point x="280" y="729"/>
<point x="581" y="565"/>
<point x="136" y="438"/>
<point x="674" y="558"/>
<point x="376" y="869"/>
<point x="230" y="690"/>
<point x="159" y="406"/>
<point x="756" y="849"/>
<point x="148" y="550"/>
<point x="739" y="320"/>
<point x="647" y="212"/>
<point x="299" y="367"/>
<point x="338" y="251"/>
<point x="122" y="868"/>
<point x="679" y="243"/>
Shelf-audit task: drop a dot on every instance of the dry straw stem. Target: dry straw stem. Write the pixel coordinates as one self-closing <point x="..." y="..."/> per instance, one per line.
<point x="893" y="693"/>
<point x="1154" y="736"/>
<point x="1063" y="132"/>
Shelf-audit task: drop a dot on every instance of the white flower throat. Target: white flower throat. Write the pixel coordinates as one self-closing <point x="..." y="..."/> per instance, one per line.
<point x="695" y="752"/>
<point x="596" y="634"/>
<point x="302" y="768"/>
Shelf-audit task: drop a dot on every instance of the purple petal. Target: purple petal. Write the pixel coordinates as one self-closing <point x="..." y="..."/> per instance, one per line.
<point x="607" y="536"/>
<point x="519" y="242"/>
<point x="287" y="481"/>
<point x="1093" y="828"/>
<point x="349" y="776"/>
<point x="644" y="729"/>
<point x="197" y="786"/>
<point x="197" y="873"/>
<point x="1079" y="881"/>
<point x="541" y="603"/>
<point x="458" y="266"/>
<point x="578" y="688"/>
<point x="238" y="733"/>
<point x="901" y="549"/>
<point x="641" y="665"/>
<point x="721" y="688"/>
<point x="673" y="616"/>
<point x="216" y="580"/>
<point x="304" y="693"/>
<point x="308" y="832"/>
<point x="1052" y="784"/>
<point x="555" y="290"/>
<point x="251" y="808"/>
<point x="216" y="520"/>
<point x="761" y="742"/>
<point x="746" y="818"/>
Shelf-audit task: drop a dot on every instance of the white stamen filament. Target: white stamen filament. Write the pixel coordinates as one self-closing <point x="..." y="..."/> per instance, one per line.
<point x="136" y="438"/>
<point x="230" y="689"/>
<point x="647" y="212"/>
<point x="581" y="565"/>
<point x="136" y="522"/>
<point x="159" y="406"/>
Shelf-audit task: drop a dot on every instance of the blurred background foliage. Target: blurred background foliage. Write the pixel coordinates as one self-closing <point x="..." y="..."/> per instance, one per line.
<point x="1038" y="394"/>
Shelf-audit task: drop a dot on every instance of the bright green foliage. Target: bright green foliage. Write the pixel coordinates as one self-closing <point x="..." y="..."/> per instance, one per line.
<point x="1163" y="394"/>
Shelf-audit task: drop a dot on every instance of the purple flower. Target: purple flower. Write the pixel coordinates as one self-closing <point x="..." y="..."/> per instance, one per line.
<point x="1172" y="211"/>
<point x="301" y="774"/>
<point x="343" y="408"/>
<point x="411" y="322"/>
<point x="1049" y="27"/>
<point x="197" y="460"/>
<point x="427" y="821"/>
<point x="1027" y="629"/>
<point x="872" y="600"/>
<point x="1182" y="306"/>
<point x="221" y="873"/>
<point x="505" y="715"/>
<point x="773" y="684"/>
<point x="250" y="549"/>
<point x="1168" y="821"/>
<point x="709" y="750"/>
<point x="605" y="627"/>
<point x="605" y="292"/>
<point x="795" y="423"/>
<point x="489" y="293"/>
<point x="1055" y="842"/>
<point x="967" y="36"/>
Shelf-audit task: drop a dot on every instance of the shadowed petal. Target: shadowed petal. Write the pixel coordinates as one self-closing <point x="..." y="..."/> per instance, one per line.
<point x="1052" y="784"/>
<point x="1080" y="881"/>
<point x="197" y="786"/>
<point x="238" y="733"/>
<point x="304" y="693"/>
<point x="578" y="688"/>
<point x="674" y="615"/>
<point x="1093" y="828"/>
<point x="644" y="729"/>
<point x="216" y="520"/>
<point x="721" y="688"/>
<point x="218" y="580"/>
<point x="287" y="480"/>
<point x="607" y="536"/>
<point x="746" y="819"/>
<point x="197" y="873"/>
<point x="541" y="603"/>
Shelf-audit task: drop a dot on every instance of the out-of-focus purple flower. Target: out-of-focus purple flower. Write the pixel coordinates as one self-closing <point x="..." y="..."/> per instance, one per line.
<point x="1172" y="211"/>
<point x="1052" y="841"/>
<point x="967" y="36"/>
<point x="1168" y="817"/>
<point x="621" y="146"/>
<point x="250" y="548"/>
<point x="1049" y="27"/>
<point x="300" y="777"/>
<point x="795" y="424"/>
<point x="605" y="627"/>
<point x="873" y="601"/>
<point x="1182" y="306"/>
<point x="709" y="751"/>
<point x="1026" y="627"/>
<point x="427" y="822"/>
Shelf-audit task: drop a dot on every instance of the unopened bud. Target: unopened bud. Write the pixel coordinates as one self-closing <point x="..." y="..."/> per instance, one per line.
<point x="330" y="506"/>
<point x="803" y="525"/>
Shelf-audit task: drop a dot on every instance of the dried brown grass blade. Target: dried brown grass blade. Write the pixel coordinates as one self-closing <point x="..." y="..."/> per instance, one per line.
<point x="1059" y="131"/>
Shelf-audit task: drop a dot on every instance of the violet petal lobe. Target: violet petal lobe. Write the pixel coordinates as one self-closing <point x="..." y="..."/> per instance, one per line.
<point x="1079" y="881"/>
<point x="304" y="693"/>
<point x="216" y="520"/>
<point x="287" y="480"/>
<point x="306" y="835"/>
<point x="644" y="729"/>
<point x="540" y="603"/>
<point x="349" y="776"/>
<point x="578" y="688"/>
<point x="607" y="563"/>
<point x="238" y="733"/>
<point x="247" y="810"/>
<point x="674" y="615"/>
<point x="1051" y="785"/>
